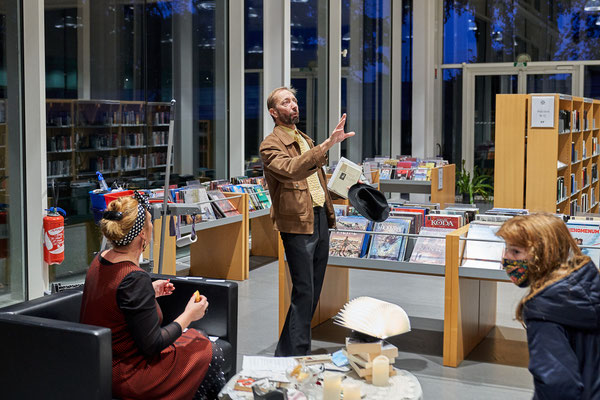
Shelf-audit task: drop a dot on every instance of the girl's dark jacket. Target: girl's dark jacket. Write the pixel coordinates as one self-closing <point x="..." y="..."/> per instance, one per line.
<point x="563" y="333"/>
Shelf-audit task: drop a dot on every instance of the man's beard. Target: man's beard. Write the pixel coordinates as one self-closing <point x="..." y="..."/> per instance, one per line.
<point x="289" y="120"/>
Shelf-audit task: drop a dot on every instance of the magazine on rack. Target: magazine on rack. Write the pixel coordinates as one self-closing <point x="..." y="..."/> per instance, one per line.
<point x="348" y="244"/>
<point x="389" y="247"/>
<point x="430" y="250"/>
<point x="586" y="233"/>
<point x="483" y="254"/>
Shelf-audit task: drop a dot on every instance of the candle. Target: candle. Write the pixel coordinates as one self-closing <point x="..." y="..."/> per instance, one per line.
<point x="381" y="370"/>
<point x="351" y="391"/>
<point x="332" y="383"/>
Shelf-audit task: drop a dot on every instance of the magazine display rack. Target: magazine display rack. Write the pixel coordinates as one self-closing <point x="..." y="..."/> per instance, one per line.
<point x="552" y="168"/>
<point x="264" y="237"/>
<point x="221" y="250"/>
<point x="442" y="190"/>
<point x="466" y="322"/>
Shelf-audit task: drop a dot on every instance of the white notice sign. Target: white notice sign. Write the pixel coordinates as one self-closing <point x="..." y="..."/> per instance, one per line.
<point x="542" y="111"/>
<point x="440" y="178"/>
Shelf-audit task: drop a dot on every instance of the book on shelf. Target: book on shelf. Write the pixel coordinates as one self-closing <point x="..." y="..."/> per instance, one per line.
<point x="586" y="233"/>
<point x="198" y="195"/>
<point x="507" y="211"/>
<point x="375" y="318"/>
<point x="389" y="247"/>
<point x="428" y="250"/>
<point x="346" y="174"/>
<point x="561" y="190"/>
<point x="349" y="244"/>
<point x="483" y="254"/>
<point x="340" y="210"/>
<point x="467" y="211"/>
<point x="221" y="204"/>
<point x="447" y="221"/>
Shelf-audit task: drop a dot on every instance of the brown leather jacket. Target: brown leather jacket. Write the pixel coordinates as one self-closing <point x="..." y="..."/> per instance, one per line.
<point x="286" y="171"/>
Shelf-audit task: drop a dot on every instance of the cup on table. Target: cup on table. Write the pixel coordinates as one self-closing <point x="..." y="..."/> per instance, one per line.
<point x="332" y="385"/>
<point x="381" y="370"/>
<point x="351" y="391"/>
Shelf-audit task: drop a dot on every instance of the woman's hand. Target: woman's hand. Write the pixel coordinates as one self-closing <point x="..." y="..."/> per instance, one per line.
<point x="196" y="310"/>
<point x="162" y="287"/>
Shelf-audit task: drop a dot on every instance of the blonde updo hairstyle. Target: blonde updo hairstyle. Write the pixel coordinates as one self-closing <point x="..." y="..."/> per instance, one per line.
<point x="116" y="230"/>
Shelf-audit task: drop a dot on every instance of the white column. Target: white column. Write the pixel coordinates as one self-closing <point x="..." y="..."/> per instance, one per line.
<point x="276" y="52"/>
<point x="185" y="148"/>
<point x="335" y="72"/>
<point x="236" y="89"/>
<point x="396" y="84"/>
<point x="34" y="90"/>
<point x="424" y="64"/>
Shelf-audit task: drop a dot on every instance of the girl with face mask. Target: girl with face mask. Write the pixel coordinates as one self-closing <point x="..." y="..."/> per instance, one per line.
<point x="561" y="310"/>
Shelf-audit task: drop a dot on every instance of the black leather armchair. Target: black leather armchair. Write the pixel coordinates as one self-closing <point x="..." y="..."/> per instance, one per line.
<point x="47" y="354"/>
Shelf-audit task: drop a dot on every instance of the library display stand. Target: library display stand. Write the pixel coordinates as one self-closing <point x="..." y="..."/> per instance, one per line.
<point x="221" y="250"/>
<point x="547" y="165"/>
<point x="441" y="187"/>
<point x="469" y="296"/>
<point x="264" y="237"/>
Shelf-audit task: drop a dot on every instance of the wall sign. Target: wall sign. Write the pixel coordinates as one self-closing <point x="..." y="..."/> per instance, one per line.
<point x="542" y="111"/>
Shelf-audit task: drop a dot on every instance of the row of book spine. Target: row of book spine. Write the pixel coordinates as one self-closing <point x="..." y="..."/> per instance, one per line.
<point x="60" y="143"/>
<point x="586" y="179"/>
<point x="59" y="168"/>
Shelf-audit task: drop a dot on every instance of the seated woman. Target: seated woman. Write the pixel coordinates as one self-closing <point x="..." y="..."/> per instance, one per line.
<point x="561" y="309"/>
<point x="149" y="361"/>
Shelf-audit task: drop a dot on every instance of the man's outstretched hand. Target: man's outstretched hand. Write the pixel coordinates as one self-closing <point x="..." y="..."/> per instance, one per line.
<point x="338" y="135"/>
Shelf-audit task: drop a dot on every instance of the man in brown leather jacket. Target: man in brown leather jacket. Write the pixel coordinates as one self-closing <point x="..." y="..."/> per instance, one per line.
<point x="302" y="211"/>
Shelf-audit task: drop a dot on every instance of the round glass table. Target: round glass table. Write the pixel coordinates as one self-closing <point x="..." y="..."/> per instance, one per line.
<point x="402" y="386"/>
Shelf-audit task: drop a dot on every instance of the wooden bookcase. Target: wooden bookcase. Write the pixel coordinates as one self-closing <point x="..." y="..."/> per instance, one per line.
<point x="118" y="138"/>
<point x="530" y="162"/>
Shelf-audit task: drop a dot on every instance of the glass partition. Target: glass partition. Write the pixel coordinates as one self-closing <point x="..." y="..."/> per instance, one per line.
<point x="479" y="31"/>
<point x="308" y="43"/>
<point x="366" y="89"/>
<point x="12" y="200"/>
<point x="112" y="68"/>
<point x="253" y="101"/>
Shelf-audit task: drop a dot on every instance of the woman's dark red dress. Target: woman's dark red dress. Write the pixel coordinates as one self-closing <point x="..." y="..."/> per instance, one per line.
<point x="155" y="363"/>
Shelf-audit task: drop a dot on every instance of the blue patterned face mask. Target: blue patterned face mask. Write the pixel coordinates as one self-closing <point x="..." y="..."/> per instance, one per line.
<point x="517" y="271"/>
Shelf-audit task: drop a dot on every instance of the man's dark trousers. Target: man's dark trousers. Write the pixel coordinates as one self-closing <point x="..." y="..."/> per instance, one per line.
<point x="307" y="260"/>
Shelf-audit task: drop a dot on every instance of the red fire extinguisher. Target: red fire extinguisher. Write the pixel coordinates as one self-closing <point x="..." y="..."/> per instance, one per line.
<point x="54" y="236"/>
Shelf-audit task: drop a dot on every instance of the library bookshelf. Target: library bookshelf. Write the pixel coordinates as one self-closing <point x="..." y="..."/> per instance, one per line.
<point x="551" y="169"/>
<point x="118" y="138"/>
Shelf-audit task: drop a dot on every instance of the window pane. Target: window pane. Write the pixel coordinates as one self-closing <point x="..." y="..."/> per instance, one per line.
<point x="308" y="42"/>
<point x="549" y="83"/>
<point x="112" y="69"/>
<point x="477" y="31"/>
<point x="253" y="103"/>
<point x="592" y="81"/>
<point x="12" y="228"/>
<point x="452" y="115"/>
<point x="366" y="30"/>
<point x="407" y="48"/>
